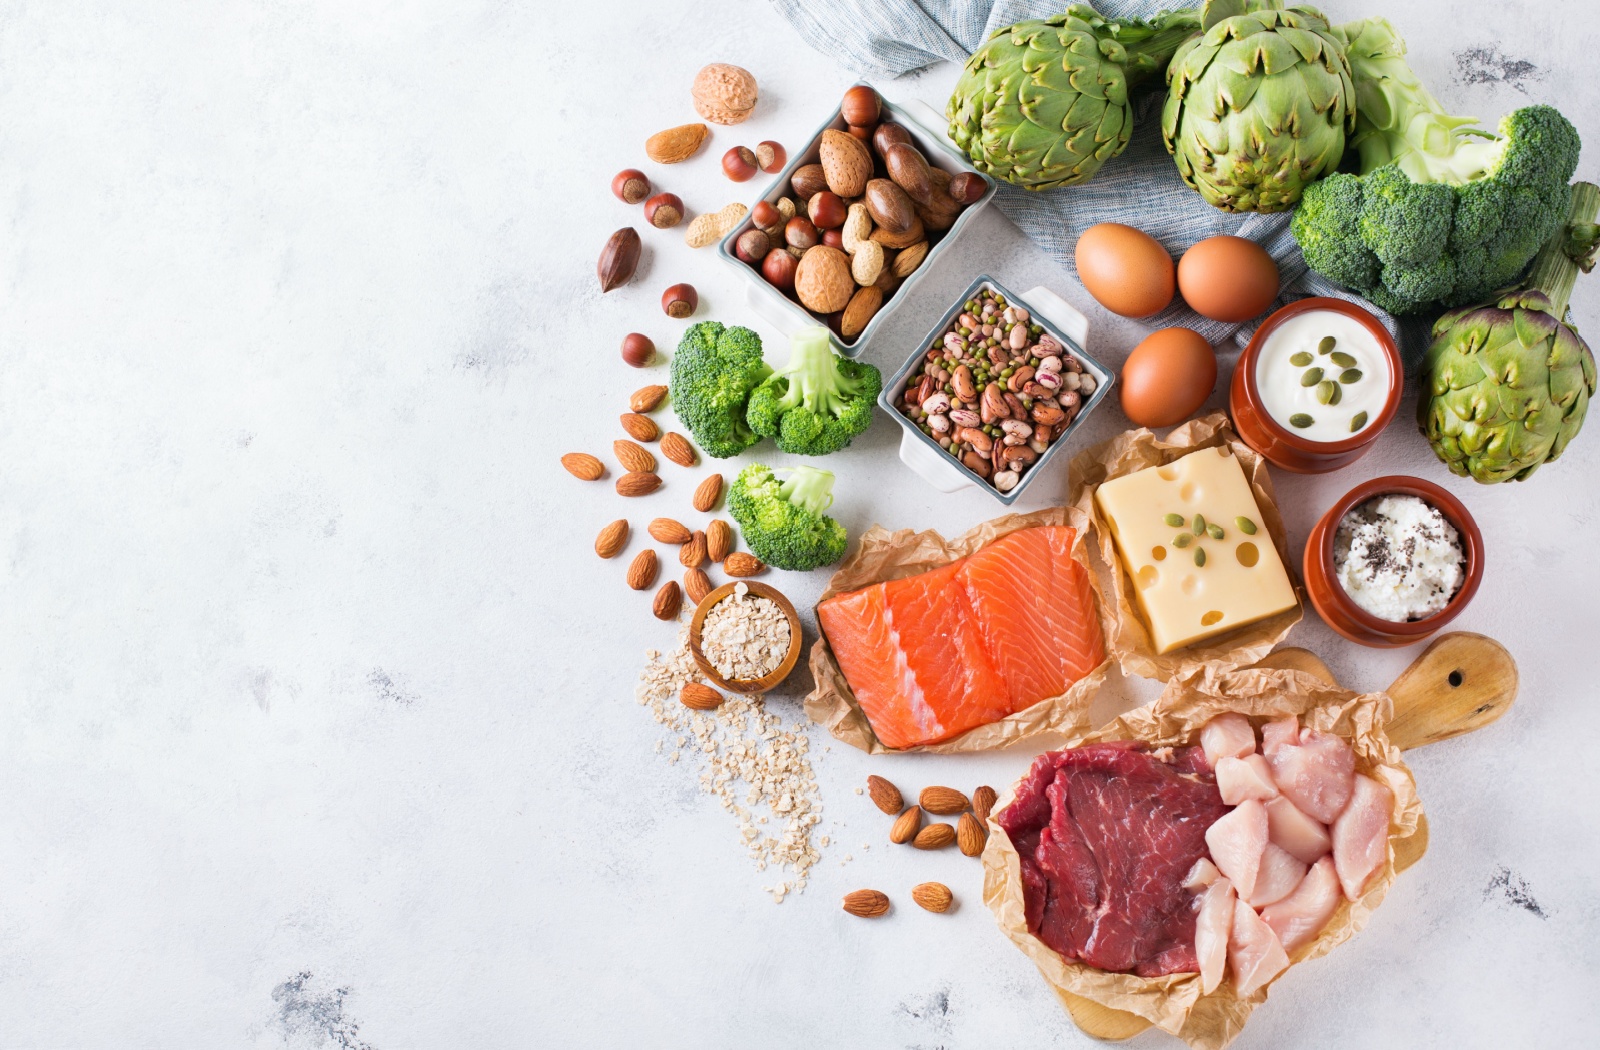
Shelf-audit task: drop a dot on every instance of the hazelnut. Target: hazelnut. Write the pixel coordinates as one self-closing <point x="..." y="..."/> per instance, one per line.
<point x="861" y="106"/>
<point x="861" y="132"/>
<point x="752" y="246"/>
<point x="888" y="134"/>
<point x="680" y="301"/>
<point x="771" y="156"/>
<point x="800" y="233"/>
<point x="827" y="210"/>
<point x="765" y="215"/>
<point x="808" y="180"/>
<point x="778" y="268"/>
<point x="833" y="239"/>
<point x="967" y="187"/>
<point x="630" y="185"/>
<point x="724" y="93"/>
<point x="638" y="350"/>
<point x="739" y="164"/>
<point x="663" y="211"/>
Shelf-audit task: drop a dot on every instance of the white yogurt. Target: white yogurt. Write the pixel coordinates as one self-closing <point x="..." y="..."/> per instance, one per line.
<point x="1399" y="558"/>
<point x="1358" y="379"/>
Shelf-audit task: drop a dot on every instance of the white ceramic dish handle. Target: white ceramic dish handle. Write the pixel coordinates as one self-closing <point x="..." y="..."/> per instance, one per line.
<point x="1059" y="312"/>
<point x="769" y="311"/>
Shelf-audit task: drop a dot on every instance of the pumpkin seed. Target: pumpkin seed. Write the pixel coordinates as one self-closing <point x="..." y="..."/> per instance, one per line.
<point x="1215" y="531"/>
<point x="1342" y="359"/>
<point x="1350" y="375"/>
<point x="1302" y="359"/>
<point x="1182" y="539"/>
<point x="1301" y="420"/>
<point x="1199" y="524"/>
<point x="1327" y="344"/>
<point x="1200" y="557"/>
<point x="1176" y="521"/>
<point x="1358" y="422"/>
<point x="1312" y="377"/>
<point x="1246" y="526"/>
<point x="1328" y="392"/>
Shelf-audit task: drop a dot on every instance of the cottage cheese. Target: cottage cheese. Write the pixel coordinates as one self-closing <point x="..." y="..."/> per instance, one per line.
<point x="1399" y="558"/>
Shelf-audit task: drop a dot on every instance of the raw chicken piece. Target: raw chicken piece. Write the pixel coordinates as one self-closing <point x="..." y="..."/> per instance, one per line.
<point x="1315" y="773"/>
<point x="1275" y="735"/>
<point x="1297" y="834"/>
<point x="1360" y="835"/>
<point x="1277" y="877"/>
<point x="1253" y="951"/>
<point x="1211" y="930"/>
<point x="1203" y="874"/>
<point x="1299" y="917"/>
<point x="1236" y="842"/>
<point x="1227" y="736"/>
<point x="1241" y="779"/>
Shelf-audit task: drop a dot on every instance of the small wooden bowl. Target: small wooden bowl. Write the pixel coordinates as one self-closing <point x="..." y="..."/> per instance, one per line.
<point x="744" y="685"/>
<point x="1339" y="611"/>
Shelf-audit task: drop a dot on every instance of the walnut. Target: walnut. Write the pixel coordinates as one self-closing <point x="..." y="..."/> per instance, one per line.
<point x="724" y="94"/>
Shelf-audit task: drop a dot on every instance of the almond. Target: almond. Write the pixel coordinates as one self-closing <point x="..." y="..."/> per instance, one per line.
<point x="932" y="896"/>
<point x="943" y="801"/>
<point x="676" y="144"/>
<point x="693" y="554"/>
<point x="647" y="398"/>
<point x="719" y="539"/>
<point x="640" y="428"/>
<point x="642" y="570"/>
<point x="669" y="530"/>
<point x="866" y="904"/>
<point x="696" y="584"/>
<point x="970" y="835"/>
<point x="860" y="309"/>
<point x="885" y="795"/>
<point x="638" y="483"/>
<point x="909" y="259"/>
<point x="677" y="448"/>
<point x="583" y="466"/>
<point x="741" y="564"/>
<point x="934" y="836"/>
<point x="633" y="457"/>
<point x="906" y="239"/>
<point x="983" y="801"/>
<point x="846" y="164"/>
<point x="822" y="281"/>
<point x="612" y="539"/>
<point x="669" y="599"/>
<point x="906" y="826"/>
<point x="700" y="697"/>
<point x="707" y="493"/>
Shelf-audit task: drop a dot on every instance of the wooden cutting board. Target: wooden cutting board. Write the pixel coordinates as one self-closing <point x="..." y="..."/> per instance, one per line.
<point x="1461" y="682"/>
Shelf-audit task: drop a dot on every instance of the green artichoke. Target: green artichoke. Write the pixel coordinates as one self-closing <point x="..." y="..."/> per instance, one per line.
<point x="1258" y="104"/>
<point x="1044" y="103"/>
<point x="1507" y="383"/>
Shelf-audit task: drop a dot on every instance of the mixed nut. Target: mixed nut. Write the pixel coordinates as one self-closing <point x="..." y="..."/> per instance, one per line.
<point x="996" y="390"/>
<point x="859" y="221"/>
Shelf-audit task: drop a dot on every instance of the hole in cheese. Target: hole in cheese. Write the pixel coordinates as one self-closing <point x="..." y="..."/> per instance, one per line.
<point x="1210" y="618"/>
<point x="1190" y="585"/>
<point x="1247" y="554"/>
<point x="1189" y="493"/>
<point x="1158" y="553"/>
<point x="1148" y="577"/>
<point x="1167" y="473"/>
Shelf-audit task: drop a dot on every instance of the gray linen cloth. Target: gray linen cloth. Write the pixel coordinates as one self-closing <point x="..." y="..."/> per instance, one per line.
<point x="1141" y="188"/>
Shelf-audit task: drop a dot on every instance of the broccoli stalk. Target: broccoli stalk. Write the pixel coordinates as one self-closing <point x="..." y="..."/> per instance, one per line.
<point x="818" y="402"/>
<point x="1442" y="212"/>
<point x="783" y="520"/>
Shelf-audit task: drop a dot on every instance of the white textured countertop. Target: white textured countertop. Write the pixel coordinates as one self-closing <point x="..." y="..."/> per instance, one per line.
<point x="317" y="723"/>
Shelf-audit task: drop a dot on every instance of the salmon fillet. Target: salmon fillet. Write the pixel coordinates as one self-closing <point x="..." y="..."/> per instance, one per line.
<point x="932" y="656"/>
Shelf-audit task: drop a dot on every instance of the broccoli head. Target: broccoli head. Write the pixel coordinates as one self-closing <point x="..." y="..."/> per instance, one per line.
<point x="1442" y="212"/>
<point x="713" y="373"/>
<point x="783" y="520"/>
<point x="817" y="402"/>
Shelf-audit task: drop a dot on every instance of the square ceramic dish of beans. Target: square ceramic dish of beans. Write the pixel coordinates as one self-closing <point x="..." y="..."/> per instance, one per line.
<point x="996" y="388"/>
<point x="782" y="308"/>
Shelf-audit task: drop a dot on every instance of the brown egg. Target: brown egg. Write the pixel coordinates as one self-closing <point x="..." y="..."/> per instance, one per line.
<point x="1167" y="377"/>
<point x="1228" y="279"/>
<point x="1126" y="270"/>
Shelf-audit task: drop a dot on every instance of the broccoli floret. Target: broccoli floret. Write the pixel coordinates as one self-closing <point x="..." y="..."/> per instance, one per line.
<point x="783" y="520"/>
<point x="1442" y="212"/>
<point x="713" y="373"/>
<point x="816" y="403"/>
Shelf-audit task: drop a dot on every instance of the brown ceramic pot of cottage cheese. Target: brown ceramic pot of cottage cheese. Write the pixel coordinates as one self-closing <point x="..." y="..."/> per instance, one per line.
<point x="1334" y="604"/>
